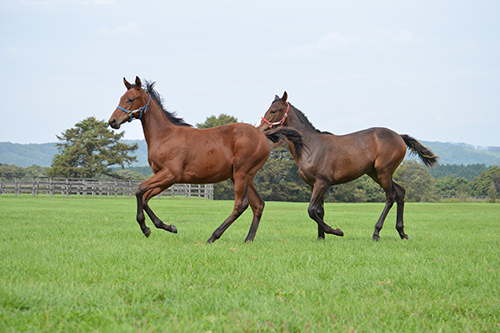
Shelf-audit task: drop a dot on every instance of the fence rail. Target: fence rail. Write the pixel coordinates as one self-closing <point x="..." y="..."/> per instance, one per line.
<point x="95" y="187"/>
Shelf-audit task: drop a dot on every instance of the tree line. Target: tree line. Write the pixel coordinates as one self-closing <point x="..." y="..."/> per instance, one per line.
<point x="92" y="150"/>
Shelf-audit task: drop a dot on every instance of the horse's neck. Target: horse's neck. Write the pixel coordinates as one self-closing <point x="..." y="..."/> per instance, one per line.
<point x="309" y="136"/>
<point x="307" y="130"/>
<point x="155" y="124"/>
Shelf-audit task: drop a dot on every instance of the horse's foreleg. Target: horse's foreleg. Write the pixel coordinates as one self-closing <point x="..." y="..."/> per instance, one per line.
<point x="316" y="211"/>
<point x="240" y="205"/>
<point x="257" y="205"/>
<point x="400" y="200"/>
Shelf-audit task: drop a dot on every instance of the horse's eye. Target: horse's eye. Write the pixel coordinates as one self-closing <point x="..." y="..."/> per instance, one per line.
<point x="273" y="112"/>
<point x="130" y="100"/>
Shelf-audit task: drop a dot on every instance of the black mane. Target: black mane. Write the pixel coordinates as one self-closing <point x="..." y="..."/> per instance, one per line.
<point x="149" y="87"/>
<point x="303" y="119"/>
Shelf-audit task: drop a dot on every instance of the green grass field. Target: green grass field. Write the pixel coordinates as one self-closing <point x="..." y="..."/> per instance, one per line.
<point x="82" y="265"/>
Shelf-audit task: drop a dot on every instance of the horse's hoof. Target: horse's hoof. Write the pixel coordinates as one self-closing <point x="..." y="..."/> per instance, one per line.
<point x="405" y="236"/>
<point x="376" y="238"/>
<point x="147" y="232"/>
<point x="173" y="229"/>
<point x="210" y="240"/>
<point x="338" y="232"/>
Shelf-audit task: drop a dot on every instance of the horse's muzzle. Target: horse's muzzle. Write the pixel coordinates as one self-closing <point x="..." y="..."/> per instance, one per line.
<point x="114" y="123"/>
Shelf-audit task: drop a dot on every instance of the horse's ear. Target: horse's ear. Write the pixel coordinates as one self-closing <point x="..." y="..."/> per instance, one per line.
<point x="285" y="96"/>
<point x="276" y="98"/>
<point x="138" y="84"/>
<point x="127" y="84"/>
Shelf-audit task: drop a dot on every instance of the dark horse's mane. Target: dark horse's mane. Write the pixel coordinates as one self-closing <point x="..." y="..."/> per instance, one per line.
<point x="159" y="100"/>
<point x="303" y="119"/>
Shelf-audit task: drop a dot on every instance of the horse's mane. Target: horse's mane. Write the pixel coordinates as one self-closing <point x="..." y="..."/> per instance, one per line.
<point x="303" y="119"/>
<point x="149" y="87"/>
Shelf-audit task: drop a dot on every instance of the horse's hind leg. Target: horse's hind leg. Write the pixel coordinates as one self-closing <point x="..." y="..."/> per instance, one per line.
<point x="387" y="184"/>
<point x="317" y="212"/>
<point x="380" y="223"/>
<point x="257" y="205"/>
<point x="240" y="205"/>
<point x="399" y="192"/>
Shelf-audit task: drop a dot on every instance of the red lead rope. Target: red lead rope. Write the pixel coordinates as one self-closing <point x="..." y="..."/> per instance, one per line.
<point x="281" y="122"/>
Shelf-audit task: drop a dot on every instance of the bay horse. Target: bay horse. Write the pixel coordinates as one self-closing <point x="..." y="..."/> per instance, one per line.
<point x="180" y="153"/>
<point x="329" y="159"/>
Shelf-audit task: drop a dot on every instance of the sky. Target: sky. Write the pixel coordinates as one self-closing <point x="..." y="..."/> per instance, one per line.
<point x="430" y="69"/>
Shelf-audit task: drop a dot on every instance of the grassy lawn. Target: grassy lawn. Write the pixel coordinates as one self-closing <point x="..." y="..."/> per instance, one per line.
<point x="84" y="265"/>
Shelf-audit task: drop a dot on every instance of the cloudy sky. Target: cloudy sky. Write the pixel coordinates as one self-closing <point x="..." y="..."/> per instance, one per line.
<point x="430" y="69"/>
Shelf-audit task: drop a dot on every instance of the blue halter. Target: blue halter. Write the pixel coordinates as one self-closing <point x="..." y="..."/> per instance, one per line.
<point x="142" y="110"/>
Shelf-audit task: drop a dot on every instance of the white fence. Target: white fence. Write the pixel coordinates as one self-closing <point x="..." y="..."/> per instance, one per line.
<point x="95" y="187"/>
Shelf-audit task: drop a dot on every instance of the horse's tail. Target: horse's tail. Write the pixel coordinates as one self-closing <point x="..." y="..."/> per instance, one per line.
<point x="289" y="134"/>
<point x="425" y="154"/>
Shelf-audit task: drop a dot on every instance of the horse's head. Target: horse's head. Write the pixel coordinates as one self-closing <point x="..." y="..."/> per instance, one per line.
<point x="276" y="114"/>
<point x="133" y="104"/>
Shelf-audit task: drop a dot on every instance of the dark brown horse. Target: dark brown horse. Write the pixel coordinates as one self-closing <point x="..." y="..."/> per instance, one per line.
<point x="329" y="159"/>
<point x="179" y="153"/>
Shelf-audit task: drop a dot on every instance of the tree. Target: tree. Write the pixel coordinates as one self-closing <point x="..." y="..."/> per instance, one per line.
<point x="35" y="171"/>
<point x="363" y="189"/>
<point x="279" y="180"/>
<point x="492" y="192"/>
<point x="212" y="121"/>
<point x="468" y="172"/>
<point x="451" y="185"/>
<point x="416" y="180"/>
<point x="89" y="150"/>
<point x="482" y="185"/>
<point x="11" y="171"/>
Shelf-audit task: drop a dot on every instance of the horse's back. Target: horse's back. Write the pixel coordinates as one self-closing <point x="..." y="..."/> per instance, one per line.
<point x="241" y="139"/>
<point x="350" y="156"/>
<point x="249" y="139"/>
<point x="249" y="146"/>
<point x="372" y="138"/>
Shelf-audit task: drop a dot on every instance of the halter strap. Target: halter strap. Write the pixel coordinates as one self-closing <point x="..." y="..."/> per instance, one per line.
<point x="281" y="122"/>
<point x="142" y="109"/>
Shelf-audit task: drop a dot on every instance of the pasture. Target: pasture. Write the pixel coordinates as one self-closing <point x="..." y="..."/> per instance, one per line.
<point x="74" y="264"/>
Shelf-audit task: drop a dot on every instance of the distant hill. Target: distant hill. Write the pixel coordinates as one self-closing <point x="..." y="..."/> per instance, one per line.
<point x="25" y="155"/>
<point x="462" y="153"/>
